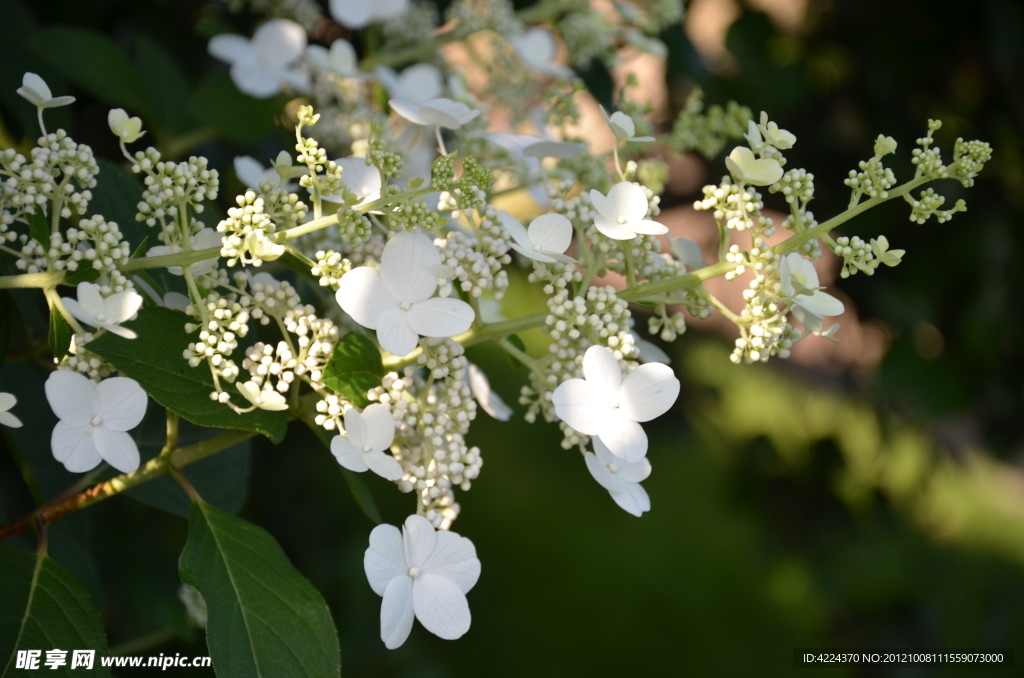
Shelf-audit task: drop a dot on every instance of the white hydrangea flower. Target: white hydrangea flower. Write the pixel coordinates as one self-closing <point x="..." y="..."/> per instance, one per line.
<point x="621" y="478"/>
<point x="623" y="126"/>
<point x="340" y="59"/>
<point x="800" y="281"/>
<point x="421" y="574"/>
<point x="125" y="128"/>
<point x="37" y="92"/>
<point x="880" y="248"/>
<point x="773" y="136"/>
<point x="441" y="112"/>
<point x="489" y="401"/>
<point x="205" y="239"/>
<point x="172" y="300"/>
<point x="94" y="419"/>
<point x="356" y="14"/>
<point x="747" y="169"/>
<point x="7" y="401"/>
<point x="259" y="67"/>
<point x="367" y="436"/>
<point x="396" y="300"/>
<point x="360" y="178"/>
<point x="418" y="83"/>
<point x="252" y="173"/>
<point x="265" y="399"/>
<point x="546" y="241"/>
<point x="649" y="351"/>
<point x="687" y="252"/>
<point x="262" y="248"/>
<point x="92" y="309"/>
<point x="621" y="215"/>
<point x="605" y="405"/>
<point x="538" y="49"/>
<point x="536" y="146"/>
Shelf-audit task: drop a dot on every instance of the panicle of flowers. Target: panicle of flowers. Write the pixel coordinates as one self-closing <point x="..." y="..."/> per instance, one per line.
<point x="707" y="132"/>
<point x="171" y="187"/>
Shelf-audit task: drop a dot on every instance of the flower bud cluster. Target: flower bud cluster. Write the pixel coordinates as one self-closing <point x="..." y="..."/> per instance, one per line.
<point x="83" y="361"/>
<point x="707" y="132"/>
<point x="476" y="271"/>
<point x="171" y="187"/>
<point x="246" y="230"/>
<point x="736" y="207"/>
<point x="222" y="321"/>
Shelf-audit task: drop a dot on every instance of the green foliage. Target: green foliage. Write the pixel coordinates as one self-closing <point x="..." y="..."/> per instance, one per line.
<point x="92" y="61"/>
<point x="154" y="359"/>
<point x="42" y="607"/>
<point x="516" y="341"/>
<point x="115" y="196"/>
<point x="164" y="84"/>
<point x="60" y="332"/>
<point x="265" y="619"/>
<point x="39" y="228"/>
<point x="240" y="118"/>
<point x="17" y="59"/>
<point x="360" y="492"/>
<point x="354" y="368"/>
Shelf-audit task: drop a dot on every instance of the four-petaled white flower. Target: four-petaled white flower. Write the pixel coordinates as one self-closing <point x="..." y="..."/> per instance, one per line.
<point x="94" y="419"/>
<point x="205" y="239"/>
<point x="546" y="240"/>
<point x="367" y="436"/>
<point x="535" y="146"/>
<point x="621" y="215"/>
<point x="687" y="252"/>
<point x="605" y="405"/>
<point x="747" y="169"/>
<point x="125" y="128"/>
<point x="266" y="399"/>
<point x="37" y="92"/>
<point x="621" y="478"/>
<point x="800" y="281"/>
<point x="418" y="83"/>
<point x="360" y="178"/>
<point x="880" y="247"/>
<point x="538" y="49"/>
<point x="773" y="136"/>
<point x="441" y="112"/>
<point x="259" y="67"/>
<point x="92" y="309"/>
<point x="396" y="300"/>
<point x="421" y="574"/>
<point x="489" y="401"/>
<point x="623" y="126"/>
<point x="7" y="401"/>
<point x="358" y="14"/>
<point x="340" y="59"/>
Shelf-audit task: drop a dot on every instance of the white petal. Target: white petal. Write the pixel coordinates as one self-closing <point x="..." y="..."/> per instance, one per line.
<point x="581" y="405"/>
<point x="73" y="448"/>
<point x="176" y="301"/>
<point x="629" y="201"/>
<point x="37" y="85"/>
<point x="249" y="170"/>
<point x="647" y="227"/>
<point x="649" y="391"/>
<point x="386" y="9"/>
<point x="628" y="471"/>
<point x="72" y="397"/>
<point x="601" y="369"/>
<point x="117" y="449"/>
<point x="419" y="538"/>
<point x="354" y="14"/>
<point x="490" y="401"/>
<point x="688" y="252"/>
<point x="603" y="205"/>
<point x="454" y="557"/>
<point x="396" y="612"/>
<point x="516" y="230"/>
<point x="122" y="306"/>
<point x="118" y="330"/>
<point x="408" y="110"/>
<point x="230" y="48"/>
<point x="385" y="559"/>
<point x="355" y="427"/>
<point x="633" y="499"/>
<point x="420" y="83"/>
<point x="531" y="254"/>
<point x="440" y="317"/>
<point x="253" y="79"/>
<point x="348" y="455"/>
<point x="122" y="403"/>
<point x="623" y="436"/>
<point x="821" y="303"/>
<point x="405" y="267"/>
<point x="90" y="299"/>
<point x="343" y="57"/>
<point x="384" y="465"/>
<point x="649" y="351"/>
<point x="363" y="296"/>
<point x="551" y="232"/>
<point x="318" y="56"/>
<point x="394" y="333"/>
<point x="622" y="125"/>
<point x="602" y="475"/>
<point x="379" y="427"/>
<point x="612" y="229"/>
<point x="7" y="401"/>
<point x="440" y="606"/>
<point x="9" y="420"/>
<point x="279" y="42"/>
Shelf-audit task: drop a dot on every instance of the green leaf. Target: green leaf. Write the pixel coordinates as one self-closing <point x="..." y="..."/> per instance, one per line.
<point x="360" y="492"/>
<point x="92" y="61"/>
<point x="6" y="320"/>
<point x="42" y="607"/>
<point x="154" y="359"/>
<point x="265" y="619"/>
<point x="116" y="196"/>
<point x="516" y="341"/>
<point x="239" y="117"/>
<point x="19" y="26"/>
<point x="354" y="368"/>
<point x="81" y="274"/>
<point x="39" y="228"/>
<point x="59" y="335"/>
<point x="163" y="82"/>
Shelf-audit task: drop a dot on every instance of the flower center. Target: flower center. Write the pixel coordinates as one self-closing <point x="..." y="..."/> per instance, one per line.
<point x="96" y="421"/>
<point x="404" y="305"/>
<point x="613" y="403"/>
<point x="100" y="317"/>
<point x="366" y="448"/>
<point x="536" y="248"/>
<point x="621" y="220"/>
<point x="613" y="467"/>
<point x="414" y="572"/>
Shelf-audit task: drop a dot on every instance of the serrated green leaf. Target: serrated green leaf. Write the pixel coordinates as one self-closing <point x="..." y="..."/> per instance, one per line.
<point x="42" y="607"/>
<point x="360" y="492"/>
<point x="354" y="368"/>
<point x="154" y="359"/>
<point x="60" y="333"/>
<point x="239" y="117"/>
<point x="92" y="61"/>
<point x="39" y="228"/>
<point x="264" y="618"/>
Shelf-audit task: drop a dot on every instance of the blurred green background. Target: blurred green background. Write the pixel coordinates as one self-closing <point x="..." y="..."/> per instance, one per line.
<point x="791" y="508"/>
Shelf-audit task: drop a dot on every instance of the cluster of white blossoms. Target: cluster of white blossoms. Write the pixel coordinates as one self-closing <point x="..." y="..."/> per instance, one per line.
<point x="372" y="256"/>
